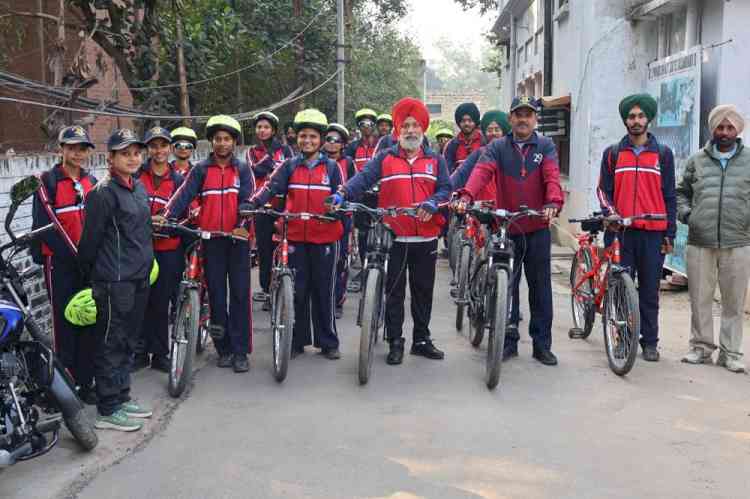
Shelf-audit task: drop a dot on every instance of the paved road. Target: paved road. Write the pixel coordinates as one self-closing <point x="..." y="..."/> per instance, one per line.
<point x="431" y="429"/>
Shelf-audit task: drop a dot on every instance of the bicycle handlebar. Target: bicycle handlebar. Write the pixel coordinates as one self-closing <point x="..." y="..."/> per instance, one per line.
<point x="27" y="237"/>
<point x="481" y="208"/>
<point x="617" y="219"/>
<point x="379" y="213"/>
<point x="202" y="234"/>
<point x="286" y="214"/>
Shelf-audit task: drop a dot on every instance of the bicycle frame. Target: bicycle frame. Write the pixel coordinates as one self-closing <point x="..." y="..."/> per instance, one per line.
<point x="609" y="256"/>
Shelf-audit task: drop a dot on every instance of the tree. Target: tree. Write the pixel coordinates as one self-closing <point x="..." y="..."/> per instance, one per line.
<point x="460" y="70"/>
<point x="485" y="6"/>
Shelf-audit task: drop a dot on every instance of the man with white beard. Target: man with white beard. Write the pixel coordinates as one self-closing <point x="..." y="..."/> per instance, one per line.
<point x="410" y="175"/>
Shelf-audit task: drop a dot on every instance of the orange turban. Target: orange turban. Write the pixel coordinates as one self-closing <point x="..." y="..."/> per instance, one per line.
<point x="407" y="107"/>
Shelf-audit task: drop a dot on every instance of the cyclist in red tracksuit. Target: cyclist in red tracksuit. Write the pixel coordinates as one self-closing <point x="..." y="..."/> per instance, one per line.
<point x="336" y="138"/>
<point x="263" y="158"/>
<point x="468" y="140"/>
<point x="409" y="175"/>
<point x="223" y="182"/>
<point x="161" y="181"/>
<point x="306" y="181"/>
<point x="60" y="201"/>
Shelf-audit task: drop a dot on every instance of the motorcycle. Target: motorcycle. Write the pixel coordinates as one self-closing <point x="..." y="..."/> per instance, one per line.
<point x="36" y="394"/>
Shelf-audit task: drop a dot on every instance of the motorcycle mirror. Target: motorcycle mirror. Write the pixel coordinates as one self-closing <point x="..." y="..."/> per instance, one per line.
<point x="22" y="189"/>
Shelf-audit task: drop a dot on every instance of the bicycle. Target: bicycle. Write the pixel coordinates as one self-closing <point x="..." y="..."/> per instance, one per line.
<point x="282" y="289"/>
<point x="187" y="330"/>
<point x="488" y="303"/>
<point x="599" y="283"/>
<point x="470" y="248"/>
<point x="371" y="314"/>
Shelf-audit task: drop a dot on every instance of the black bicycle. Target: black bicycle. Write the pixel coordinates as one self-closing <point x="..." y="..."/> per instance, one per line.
<point x="371" y="315"/>
<point x="282" y="289"/>
<point x="489" y="299"/>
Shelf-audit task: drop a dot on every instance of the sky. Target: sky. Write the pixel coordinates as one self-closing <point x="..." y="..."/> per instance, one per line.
<point x="431" y="20"/>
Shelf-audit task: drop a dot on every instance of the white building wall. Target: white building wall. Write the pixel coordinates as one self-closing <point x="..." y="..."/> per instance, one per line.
<point x="734" y="65"/>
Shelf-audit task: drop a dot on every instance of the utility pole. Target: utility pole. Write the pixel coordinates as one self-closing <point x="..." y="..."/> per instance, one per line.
<point x="184" y="102"/>
<point x="60" y="46"/>
<point x="340" y="62"/>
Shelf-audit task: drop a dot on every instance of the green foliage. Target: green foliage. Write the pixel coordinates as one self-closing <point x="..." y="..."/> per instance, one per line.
<point x="485" y="6"/>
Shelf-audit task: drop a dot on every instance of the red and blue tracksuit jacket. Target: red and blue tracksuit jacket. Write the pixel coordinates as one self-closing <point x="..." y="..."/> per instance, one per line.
<point x="461" y="175"/>
<point x="58" y="201"/>
<point x="306" y="187"/>
<point x="631" y="184"/>
<point x="404" y="184"/>
<point x="361" y="151"/>
<point x="264" y="162"/>
<point x="460" y="148"/>
<point x="220" y="191"/>
<point x="526" y="174"/>
<point x="158" y="197"/>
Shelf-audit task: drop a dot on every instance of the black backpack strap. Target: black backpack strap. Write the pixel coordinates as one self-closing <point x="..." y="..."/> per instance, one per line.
<point x="614" y="152"/>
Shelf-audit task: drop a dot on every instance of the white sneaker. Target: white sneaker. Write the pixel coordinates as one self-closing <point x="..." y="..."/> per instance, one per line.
<point x="734" y="365"/>
<point x="697" y="356"/>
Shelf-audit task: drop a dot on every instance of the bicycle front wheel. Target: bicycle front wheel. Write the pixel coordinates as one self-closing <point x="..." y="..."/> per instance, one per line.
<point x="581" y="297"/>
<point x="477" y="304"/>
<point x="283" y="327"/>
<point x="371" y="309"/>
<point x="622" y="323"/>
<point x="204" y="318"/>
<point x="496" y="333"/>
<point x="184" y="337"/>
<point x="462" y="280"/>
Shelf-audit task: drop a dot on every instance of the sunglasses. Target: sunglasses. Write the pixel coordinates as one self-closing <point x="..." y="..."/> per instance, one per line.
<point x="334" y="140"/>
<point x="79" y="191"/>
<point x="366" y="123"/>
<point x="184" y="146"/>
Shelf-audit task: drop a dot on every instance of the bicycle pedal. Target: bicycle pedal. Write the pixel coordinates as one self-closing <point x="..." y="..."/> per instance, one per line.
<point x="216" y="332"/>
<point x="575" y="333"/>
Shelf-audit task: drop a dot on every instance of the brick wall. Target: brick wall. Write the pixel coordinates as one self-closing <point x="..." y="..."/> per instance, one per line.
<point x="449" y="101"/>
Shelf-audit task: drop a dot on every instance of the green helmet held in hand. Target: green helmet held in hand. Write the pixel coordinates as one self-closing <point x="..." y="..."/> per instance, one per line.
<point x="81" y="309"/>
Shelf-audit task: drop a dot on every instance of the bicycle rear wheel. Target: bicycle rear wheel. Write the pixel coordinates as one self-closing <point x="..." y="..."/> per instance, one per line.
<point x="462" y="279"/>
<point x="496" y="333"/>
<point x="581" y="299"/>
<point x="184" y="337"/>
<point x="283" y="327"/>
<point x="371" y="298"/>
<point x="622" y="323"/>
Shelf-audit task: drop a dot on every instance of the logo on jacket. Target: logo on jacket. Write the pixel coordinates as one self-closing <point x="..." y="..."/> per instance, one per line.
<point x="428" y="168"/>
<point x="236" y="183"/>
<point x="538" y="157"/>
<point x="326" y="180"/>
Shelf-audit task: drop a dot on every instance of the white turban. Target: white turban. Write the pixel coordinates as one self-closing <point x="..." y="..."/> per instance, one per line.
<point x="726" y="112"/>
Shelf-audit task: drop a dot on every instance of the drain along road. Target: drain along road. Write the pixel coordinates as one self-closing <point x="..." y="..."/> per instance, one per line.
<point x="431" y="429"/>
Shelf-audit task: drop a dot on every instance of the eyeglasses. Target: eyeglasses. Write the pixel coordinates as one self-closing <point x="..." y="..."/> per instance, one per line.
<point x="334" y="140"/>
<point x="184" y="146"/>
<point x="79" y="191"/>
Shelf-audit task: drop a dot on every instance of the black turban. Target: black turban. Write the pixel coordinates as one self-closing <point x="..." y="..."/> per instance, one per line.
<point x="467" y="108"/>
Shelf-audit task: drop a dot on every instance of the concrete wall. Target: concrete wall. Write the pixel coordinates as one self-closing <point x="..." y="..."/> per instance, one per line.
<point x="449" y="101"/>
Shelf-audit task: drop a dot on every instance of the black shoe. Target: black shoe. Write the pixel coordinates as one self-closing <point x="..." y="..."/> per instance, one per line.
<point x="161" y="363"/>
<point x="224" y="361"/>
<point x="396" y="352"/>
<point x="140" y="360"/>
<point x="296" y="352"/>
<point x="545" y="356"/>
<point x="427" y="349"/>
<point x="240" y="363"/>
<point x="454" y="293"/>
<point x="510" y="351"/>
<point x="266" y="307"/>
<point x="87" y="394"/>
<point x="650" y="353"/>
<point x="339" y="312"/>
<point x="331" y="353"/>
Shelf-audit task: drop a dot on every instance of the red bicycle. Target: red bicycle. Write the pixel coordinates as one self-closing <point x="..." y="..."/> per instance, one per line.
<point x="599" y="283"/>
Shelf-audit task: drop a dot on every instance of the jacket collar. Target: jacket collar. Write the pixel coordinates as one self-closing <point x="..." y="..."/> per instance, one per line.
<point x="475" y="136"/>
<point x="210" y="161"/>
<point x="534" y="139"/>
<point x="651" y="145"/>
<point x="59" y="173"/>
<point x="424" y="152"/>
<point x="709" y="148"/>
<point x="118" y="180"/>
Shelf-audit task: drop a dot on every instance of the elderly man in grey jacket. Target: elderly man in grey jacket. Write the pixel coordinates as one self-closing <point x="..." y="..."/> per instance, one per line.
<point x="713" y="199"/>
